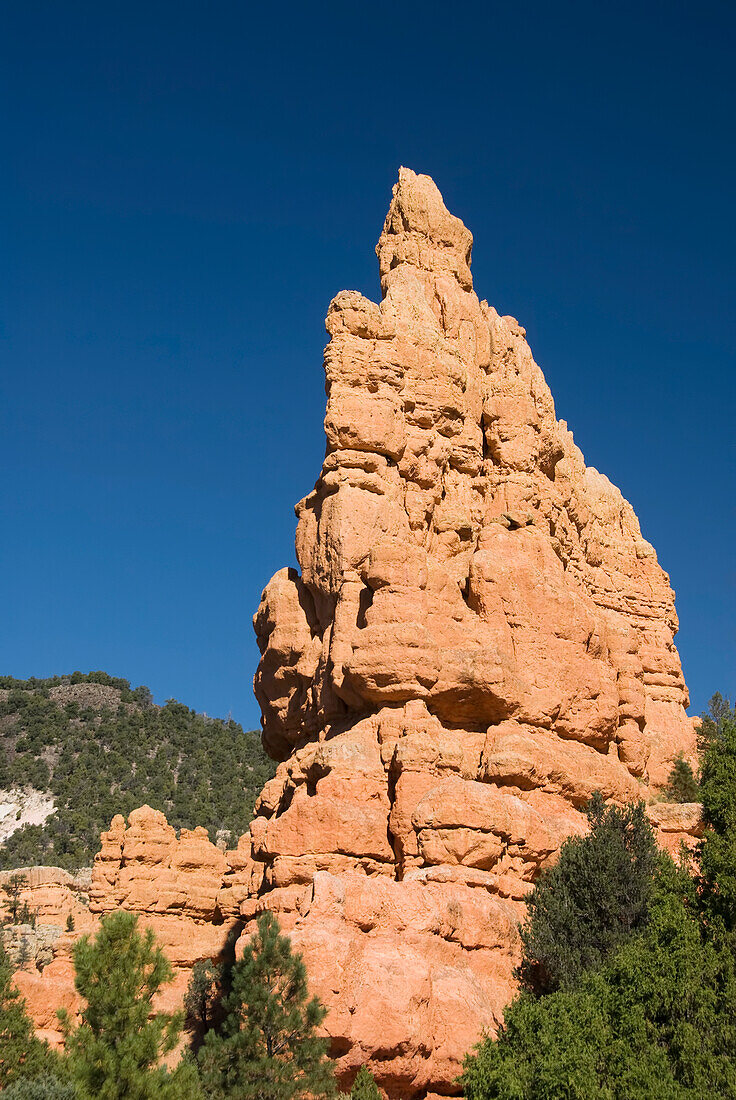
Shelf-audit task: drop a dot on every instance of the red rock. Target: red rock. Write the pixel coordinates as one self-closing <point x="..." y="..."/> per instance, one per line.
<point x="478" y="638"/>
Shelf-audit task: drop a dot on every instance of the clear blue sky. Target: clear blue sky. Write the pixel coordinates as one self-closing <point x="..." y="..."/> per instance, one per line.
<point x="185" y="187"/>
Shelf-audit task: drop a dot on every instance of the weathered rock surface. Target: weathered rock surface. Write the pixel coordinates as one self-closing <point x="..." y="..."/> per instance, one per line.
<point x="182" y="886"/>
<point x="477" y="639"/>
<point x="23" y="806"/>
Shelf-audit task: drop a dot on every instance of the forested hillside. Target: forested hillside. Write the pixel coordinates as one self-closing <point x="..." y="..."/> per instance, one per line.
<point x="101" y="748"/>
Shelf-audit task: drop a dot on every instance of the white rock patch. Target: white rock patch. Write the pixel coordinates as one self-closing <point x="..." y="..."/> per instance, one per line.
<point x="23" y="806"/>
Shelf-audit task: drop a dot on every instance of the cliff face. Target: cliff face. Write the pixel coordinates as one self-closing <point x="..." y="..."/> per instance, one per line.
<point x="478" y="638"/>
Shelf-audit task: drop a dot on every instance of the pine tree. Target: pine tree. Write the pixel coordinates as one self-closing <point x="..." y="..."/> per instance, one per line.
<point x="203" y="999"/>
<point x="718" y="847"/>
<point x="711" y="721"/>
<point x="364" y="1086"/>
<point x="682" y="786"/>
<point x="21" y="1053"/>
<point x="267" y="1047"/>
<point x="654" y="1022"/>
<point x="592" y="900"/>
<point x="116" y="1051"/>
<point x="12" y="889"/>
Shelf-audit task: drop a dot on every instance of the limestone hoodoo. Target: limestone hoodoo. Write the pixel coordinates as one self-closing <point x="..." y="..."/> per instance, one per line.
<point x="477" y="639"/>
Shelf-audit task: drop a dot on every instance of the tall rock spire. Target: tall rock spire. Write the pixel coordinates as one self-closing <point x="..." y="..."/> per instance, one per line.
<point x="478" y="637"/>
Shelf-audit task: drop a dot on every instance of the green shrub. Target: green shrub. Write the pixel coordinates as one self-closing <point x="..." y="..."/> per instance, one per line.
<point x="682" y="786"/>
<point x="45" y="1087"/>
<point x="592" y="900"/>
<point x="364" y="1086"/>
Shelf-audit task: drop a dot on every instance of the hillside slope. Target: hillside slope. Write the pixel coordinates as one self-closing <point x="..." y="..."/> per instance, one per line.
<point x="87" y="746"/>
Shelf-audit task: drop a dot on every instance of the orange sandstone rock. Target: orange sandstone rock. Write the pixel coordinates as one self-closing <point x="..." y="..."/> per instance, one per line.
<point x="184" y="888"/>
<point x="478" y="637"/>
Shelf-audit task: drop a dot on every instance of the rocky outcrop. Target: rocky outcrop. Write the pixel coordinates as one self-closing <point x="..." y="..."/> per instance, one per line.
<point x="478" y="637"/>
<point x="57" y="904"/>
<point x="181" y="885"/>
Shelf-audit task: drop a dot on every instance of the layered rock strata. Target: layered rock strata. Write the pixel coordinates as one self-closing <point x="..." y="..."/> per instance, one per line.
<point x="181" y="885"/>
<point x="478" y="637"/>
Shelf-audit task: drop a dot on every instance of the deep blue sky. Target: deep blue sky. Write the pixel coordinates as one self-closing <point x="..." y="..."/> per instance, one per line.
<point x="184" y="188"/>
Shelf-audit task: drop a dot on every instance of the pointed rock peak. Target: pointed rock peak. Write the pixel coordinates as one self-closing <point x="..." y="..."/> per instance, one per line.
<point x="419" y="230"/>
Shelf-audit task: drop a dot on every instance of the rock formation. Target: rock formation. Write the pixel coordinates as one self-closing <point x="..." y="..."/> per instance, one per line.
<point x="478" y="638"/>
<point x="183" y="887"/>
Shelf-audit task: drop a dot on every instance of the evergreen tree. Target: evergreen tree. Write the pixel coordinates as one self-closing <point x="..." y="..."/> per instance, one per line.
<point x="682" y="786"/>
<point x="21" y="1053"/>
<point x="12" y="889"/>
<point x="267" y="1047"/>
<point x="655" y="1022"/>
<point x="711" y="721"/>
<point x="116" y="1051"/>
<point x="594" y="897"/>
<point x="717" y="851"/>
<point x="203" y="1000"/>
<point x="364" y="1086"/>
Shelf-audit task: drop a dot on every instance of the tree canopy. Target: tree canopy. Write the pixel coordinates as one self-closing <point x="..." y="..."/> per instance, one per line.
<point x="647" y="1015"/>
<point x="594" y="897"/>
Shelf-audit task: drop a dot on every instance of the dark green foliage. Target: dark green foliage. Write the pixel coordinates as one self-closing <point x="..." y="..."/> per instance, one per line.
<point x="711" y="722"/>
<point x="45" y="1087"/>
<point x="203" y="999"/>
<point x="682" y="786"/>
<point x="718" y="794"/>
<point x="118" y="753"/>
<point x="21" y="1054"/>
<point x="592" y="900"/>
<point x="12" y="890"/>
<point x="115" y="1052"/>
<point x="364" y="1086"/>
<point x="267" y="1047"/>
<point x="655" y="1022"/>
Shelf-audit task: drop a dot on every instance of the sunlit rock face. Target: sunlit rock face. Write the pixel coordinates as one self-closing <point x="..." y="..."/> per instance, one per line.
<point x="478" y="638"/>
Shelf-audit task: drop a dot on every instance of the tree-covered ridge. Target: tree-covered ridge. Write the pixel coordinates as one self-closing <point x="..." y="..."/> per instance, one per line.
<point x="105" y="749"/>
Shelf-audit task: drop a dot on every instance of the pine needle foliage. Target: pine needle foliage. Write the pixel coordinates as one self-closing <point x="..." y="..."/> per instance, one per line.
<point x="267" y="1047"/>
<point x="717" y="850"/>
<point x="47" y="1086"/>
<point x="21" y="1053"/>
<point x="116" y="1051"/>
<point x="364" y="1086"/>
<point x="592" y="900"/>
<point x="682" y="786"/>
